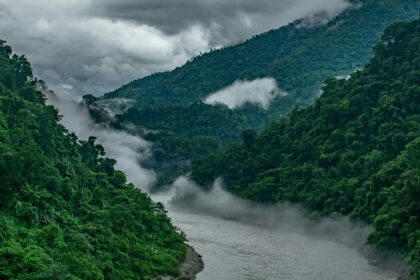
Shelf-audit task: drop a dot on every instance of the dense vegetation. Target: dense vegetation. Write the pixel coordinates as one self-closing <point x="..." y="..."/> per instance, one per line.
<point x="65" y="212"/>
<point x="299" y="58"/>
<point x="355" y="151"/>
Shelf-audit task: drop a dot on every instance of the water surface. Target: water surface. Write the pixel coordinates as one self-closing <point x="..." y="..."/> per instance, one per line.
<point x="234" y="250"/>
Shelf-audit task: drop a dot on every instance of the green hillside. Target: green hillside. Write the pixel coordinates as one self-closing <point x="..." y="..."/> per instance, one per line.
<point x="355" y="151"/>
<point x="65" y="212"/>
<point x="299" y="59"/>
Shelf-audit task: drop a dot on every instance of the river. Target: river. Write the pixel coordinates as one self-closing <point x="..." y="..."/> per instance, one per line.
<point x="236" y="250"/>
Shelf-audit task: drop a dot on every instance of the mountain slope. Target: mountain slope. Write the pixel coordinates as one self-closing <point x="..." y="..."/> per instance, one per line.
<point x="299" y="58"/>
<point x="65" y="212"/>
<point x="354" y="152"/>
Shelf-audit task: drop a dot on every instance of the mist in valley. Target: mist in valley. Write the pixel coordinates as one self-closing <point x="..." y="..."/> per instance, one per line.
<point x="220" y="225"/>
<point x="129" y="150"/>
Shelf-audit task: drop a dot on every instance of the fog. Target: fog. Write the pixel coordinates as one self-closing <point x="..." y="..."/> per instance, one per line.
<point x="260" y="241"/>
<point x="131" y="151"/>
<point x="128" y="150"/>
<point x="219" y="203"/>
<point x="115" y="106"/>
<point x="240" y="239"/>
<point x="259" y="92"/>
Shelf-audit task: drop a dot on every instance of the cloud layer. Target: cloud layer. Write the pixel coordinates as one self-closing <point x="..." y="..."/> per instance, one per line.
<point x="93" y="46"/>
<point x="259" y="92"/>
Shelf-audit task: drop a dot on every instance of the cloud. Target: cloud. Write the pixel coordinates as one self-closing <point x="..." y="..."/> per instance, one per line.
<point x="115" y="106"/>
<point x="81" y="54"/>
<point x="94" y="46"/>
<point x="187" y="195"/>
<point x="259" y="92"/>
<point x="130" y="151"/>
<point x="226" y="20"/>
<point x="199" y="213"/>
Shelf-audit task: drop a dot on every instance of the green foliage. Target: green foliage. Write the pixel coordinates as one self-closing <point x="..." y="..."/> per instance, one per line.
<point x="24" y="263"/>
<point x="65" y="212"/>
<point x="355" y="151"/>
<point x="197" y="119"/>
<point x="173" y="154"/>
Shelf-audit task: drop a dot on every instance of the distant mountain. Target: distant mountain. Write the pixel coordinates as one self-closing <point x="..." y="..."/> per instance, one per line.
<point x="65" y="212"/>
<point x="355" y="151"/>
<point x="299" y="56"/>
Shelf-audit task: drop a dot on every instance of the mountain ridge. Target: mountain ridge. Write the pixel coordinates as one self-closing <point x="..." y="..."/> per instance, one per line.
<point x="300" y="60"/>
<point x="268" y="52"/>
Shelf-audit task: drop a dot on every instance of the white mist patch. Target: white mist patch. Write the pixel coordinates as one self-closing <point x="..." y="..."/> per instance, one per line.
<point x="128" y="150"/>
<point x="343" y="77"/>
<point x="259" y="92"/>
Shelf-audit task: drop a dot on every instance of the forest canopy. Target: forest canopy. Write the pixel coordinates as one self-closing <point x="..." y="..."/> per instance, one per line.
<point x="65" y="211"/>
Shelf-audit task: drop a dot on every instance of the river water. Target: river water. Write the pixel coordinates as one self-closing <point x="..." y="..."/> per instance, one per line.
<point x="236" y="250"/>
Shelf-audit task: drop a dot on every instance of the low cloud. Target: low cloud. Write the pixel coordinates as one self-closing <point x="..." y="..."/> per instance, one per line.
<point x="268" y="227"/>
<point x="128" y="150"/>
<point x="115" y="106"/>
<point x="259" y="92"/>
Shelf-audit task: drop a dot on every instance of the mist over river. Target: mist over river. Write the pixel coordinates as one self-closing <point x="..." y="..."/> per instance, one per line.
<point x="236" y="249"/>
<point x="238" y="239"/>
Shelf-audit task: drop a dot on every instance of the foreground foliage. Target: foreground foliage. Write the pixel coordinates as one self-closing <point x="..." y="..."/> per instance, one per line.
<point x="65" y="212"/>
<point x="356" y="151"/>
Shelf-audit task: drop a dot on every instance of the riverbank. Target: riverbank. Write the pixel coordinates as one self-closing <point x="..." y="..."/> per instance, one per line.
<point x="192" y="265"/>
<point x="387" y="261"/>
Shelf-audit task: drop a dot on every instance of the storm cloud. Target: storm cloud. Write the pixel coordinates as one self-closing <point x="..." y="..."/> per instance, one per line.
<point x="225" y="21"/>
<point x="93" y="46"/>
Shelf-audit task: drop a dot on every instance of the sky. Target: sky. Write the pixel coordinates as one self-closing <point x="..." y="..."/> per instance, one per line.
<point x="94" y="46"/>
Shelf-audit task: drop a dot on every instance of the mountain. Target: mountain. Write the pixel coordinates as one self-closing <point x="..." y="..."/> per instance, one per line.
<point x="355" y="151"/>
<point x="65" y="212"/>
<point x="299" y="56"/>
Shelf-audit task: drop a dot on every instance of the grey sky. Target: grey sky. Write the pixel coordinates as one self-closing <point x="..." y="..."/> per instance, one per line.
<point x="93" y="46"/>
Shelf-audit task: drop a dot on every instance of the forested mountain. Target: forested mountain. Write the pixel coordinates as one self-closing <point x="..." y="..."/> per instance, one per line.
<point x="298" y="56"/>
<point x="65" y="212"/>
<point x="355" y="151"/>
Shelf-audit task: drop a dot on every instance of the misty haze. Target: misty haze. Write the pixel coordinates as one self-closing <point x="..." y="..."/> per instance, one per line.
<point x="209" y="140"/>
<point x="259" y="92"/>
